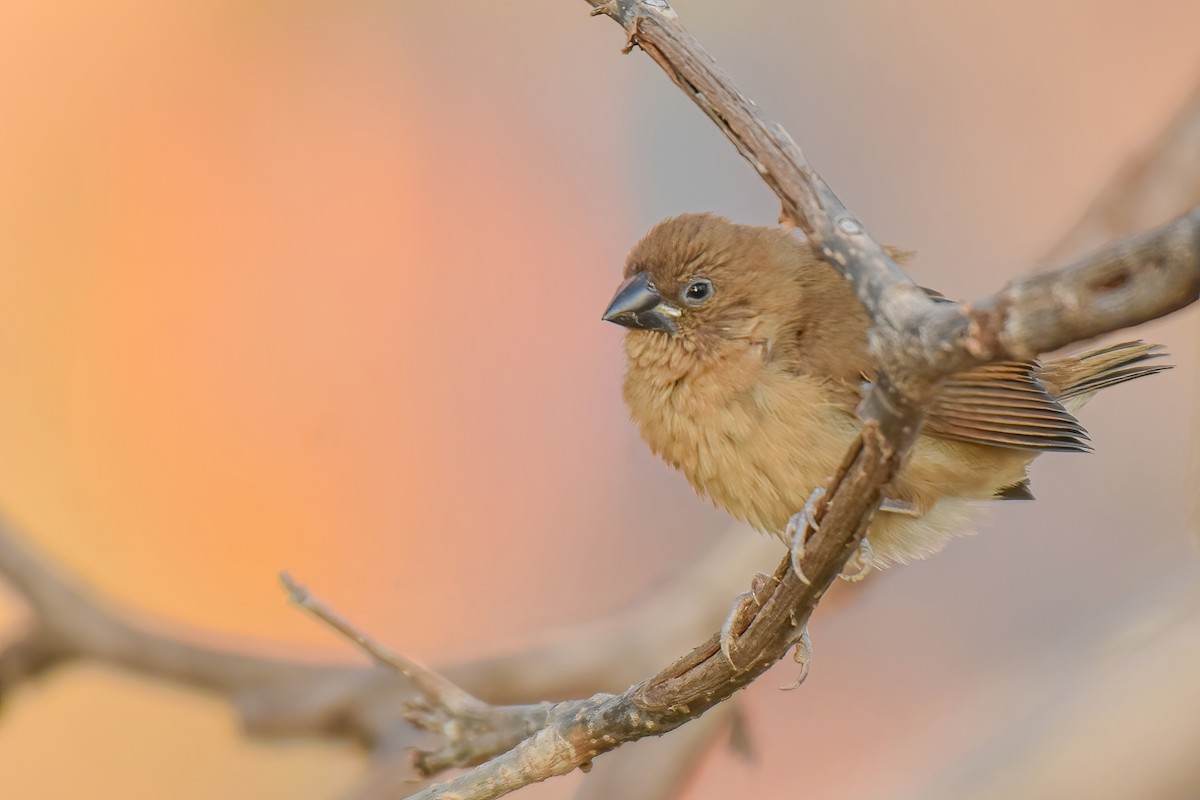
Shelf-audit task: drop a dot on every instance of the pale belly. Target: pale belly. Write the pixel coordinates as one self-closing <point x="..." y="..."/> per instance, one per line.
<point x="760" y="454"/>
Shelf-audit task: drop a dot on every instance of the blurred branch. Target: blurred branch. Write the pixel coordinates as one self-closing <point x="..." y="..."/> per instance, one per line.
<point x="1154" y="185"/>
<point x="365" y="705"/>
<point x="611" y="653"/>
<point x="274" y="697"/>
<point x="1132" y="697"/>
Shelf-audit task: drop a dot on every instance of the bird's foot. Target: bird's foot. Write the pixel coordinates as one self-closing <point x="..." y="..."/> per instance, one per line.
<point x="800" y="526"/>
<point x="860" y="564"/>
<point x="803" y="656"/>
<point x="742" y="606"/>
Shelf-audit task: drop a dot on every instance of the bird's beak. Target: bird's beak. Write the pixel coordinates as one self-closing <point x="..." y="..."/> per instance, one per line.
<point x="637" y="304"/>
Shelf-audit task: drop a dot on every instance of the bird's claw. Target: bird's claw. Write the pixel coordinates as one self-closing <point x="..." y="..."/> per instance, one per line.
<point x="739" y="612"/>
<point x="803" y="656"/>
<point x="800" y="526"/>
<point x="860" y="564"/>
<point x="741" y="605"/>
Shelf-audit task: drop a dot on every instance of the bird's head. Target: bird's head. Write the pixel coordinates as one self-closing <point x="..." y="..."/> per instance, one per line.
<point x="703" y="283"/>
<point x="700" y="280"/>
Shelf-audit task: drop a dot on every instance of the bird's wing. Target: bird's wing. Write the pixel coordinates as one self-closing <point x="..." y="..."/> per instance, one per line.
<point x="1004" y="405"/>
<point x="998" y="405"/>
<point x="1076" y="378"/>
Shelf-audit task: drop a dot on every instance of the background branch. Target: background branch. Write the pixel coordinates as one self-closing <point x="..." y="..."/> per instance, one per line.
<point x="1153" y="185"/>
<point x="287" y="698"/>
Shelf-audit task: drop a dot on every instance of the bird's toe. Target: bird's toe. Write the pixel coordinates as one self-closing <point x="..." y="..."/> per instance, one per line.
<point x="800" y="527"/>
<point x="860" y="564"/>
<point x="803" y="656"/>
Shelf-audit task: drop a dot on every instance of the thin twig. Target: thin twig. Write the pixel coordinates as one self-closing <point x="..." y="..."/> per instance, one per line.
<point x="433" y="686"/>
<point x="470" y="729"/>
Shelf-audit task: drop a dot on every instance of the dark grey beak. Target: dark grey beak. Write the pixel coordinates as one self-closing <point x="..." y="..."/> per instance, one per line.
<point x="637" y="304"/>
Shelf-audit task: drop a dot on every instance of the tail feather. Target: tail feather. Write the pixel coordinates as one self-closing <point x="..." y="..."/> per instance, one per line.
<point x="1076" y="378"/>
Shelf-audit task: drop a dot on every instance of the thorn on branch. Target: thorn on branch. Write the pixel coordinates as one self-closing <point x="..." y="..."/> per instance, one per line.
<point x="607" y="8"/>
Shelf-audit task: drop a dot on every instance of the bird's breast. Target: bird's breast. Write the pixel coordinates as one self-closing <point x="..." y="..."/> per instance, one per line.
<point x="755" y="441"/>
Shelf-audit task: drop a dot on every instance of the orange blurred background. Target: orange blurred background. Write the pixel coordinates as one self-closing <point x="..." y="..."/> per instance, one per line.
<point x="317" y="286"/>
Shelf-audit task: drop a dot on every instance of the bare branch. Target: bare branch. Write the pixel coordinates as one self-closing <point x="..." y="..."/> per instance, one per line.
<point x="1137" y="279"/>
<point x="655" y="770"/>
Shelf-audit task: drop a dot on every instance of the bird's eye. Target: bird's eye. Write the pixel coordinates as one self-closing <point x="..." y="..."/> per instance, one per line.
<point x="698" y="291"/>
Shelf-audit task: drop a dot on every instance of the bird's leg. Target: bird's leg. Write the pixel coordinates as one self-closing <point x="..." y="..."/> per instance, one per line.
<point x="860" y="564"/>
<point x="800" y="526"/>
<point x="740" y="611"/>
<point x="863" y="561"/>
<point x="803" y="657"/>
<point x="900" y="507"/>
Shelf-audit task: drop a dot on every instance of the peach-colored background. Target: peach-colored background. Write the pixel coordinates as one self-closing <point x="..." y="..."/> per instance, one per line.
<point x="316" y="286"/>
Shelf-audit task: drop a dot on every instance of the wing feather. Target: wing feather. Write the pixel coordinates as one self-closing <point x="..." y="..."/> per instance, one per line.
<point x="1004" y="405"/>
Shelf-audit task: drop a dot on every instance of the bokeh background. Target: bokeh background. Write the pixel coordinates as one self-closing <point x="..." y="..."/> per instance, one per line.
<point x="317" y="286"/>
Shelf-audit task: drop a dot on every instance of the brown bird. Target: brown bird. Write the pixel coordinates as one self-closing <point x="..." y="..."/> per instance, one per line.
<point x="747" y="356"/>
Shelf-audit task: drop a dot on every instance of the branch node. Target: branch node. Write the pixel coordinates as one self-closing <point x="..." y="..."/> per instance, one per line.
<point x="849" y="225"/>
<point x="606" y="8"/>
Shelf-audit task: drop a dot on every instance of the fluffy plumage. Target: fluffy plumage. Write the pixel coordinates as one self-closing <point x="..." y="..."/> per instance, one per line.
<point x="747" y="356"/>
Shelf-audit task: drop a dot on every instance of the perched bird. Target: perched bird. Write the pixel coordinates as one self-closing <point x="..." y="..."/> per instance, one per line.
<point x="747" y="356"/>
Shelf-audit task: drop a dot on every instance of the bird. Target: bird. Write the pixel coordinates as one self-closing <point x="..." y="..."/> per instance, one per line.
<point x="747" y="356"/>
